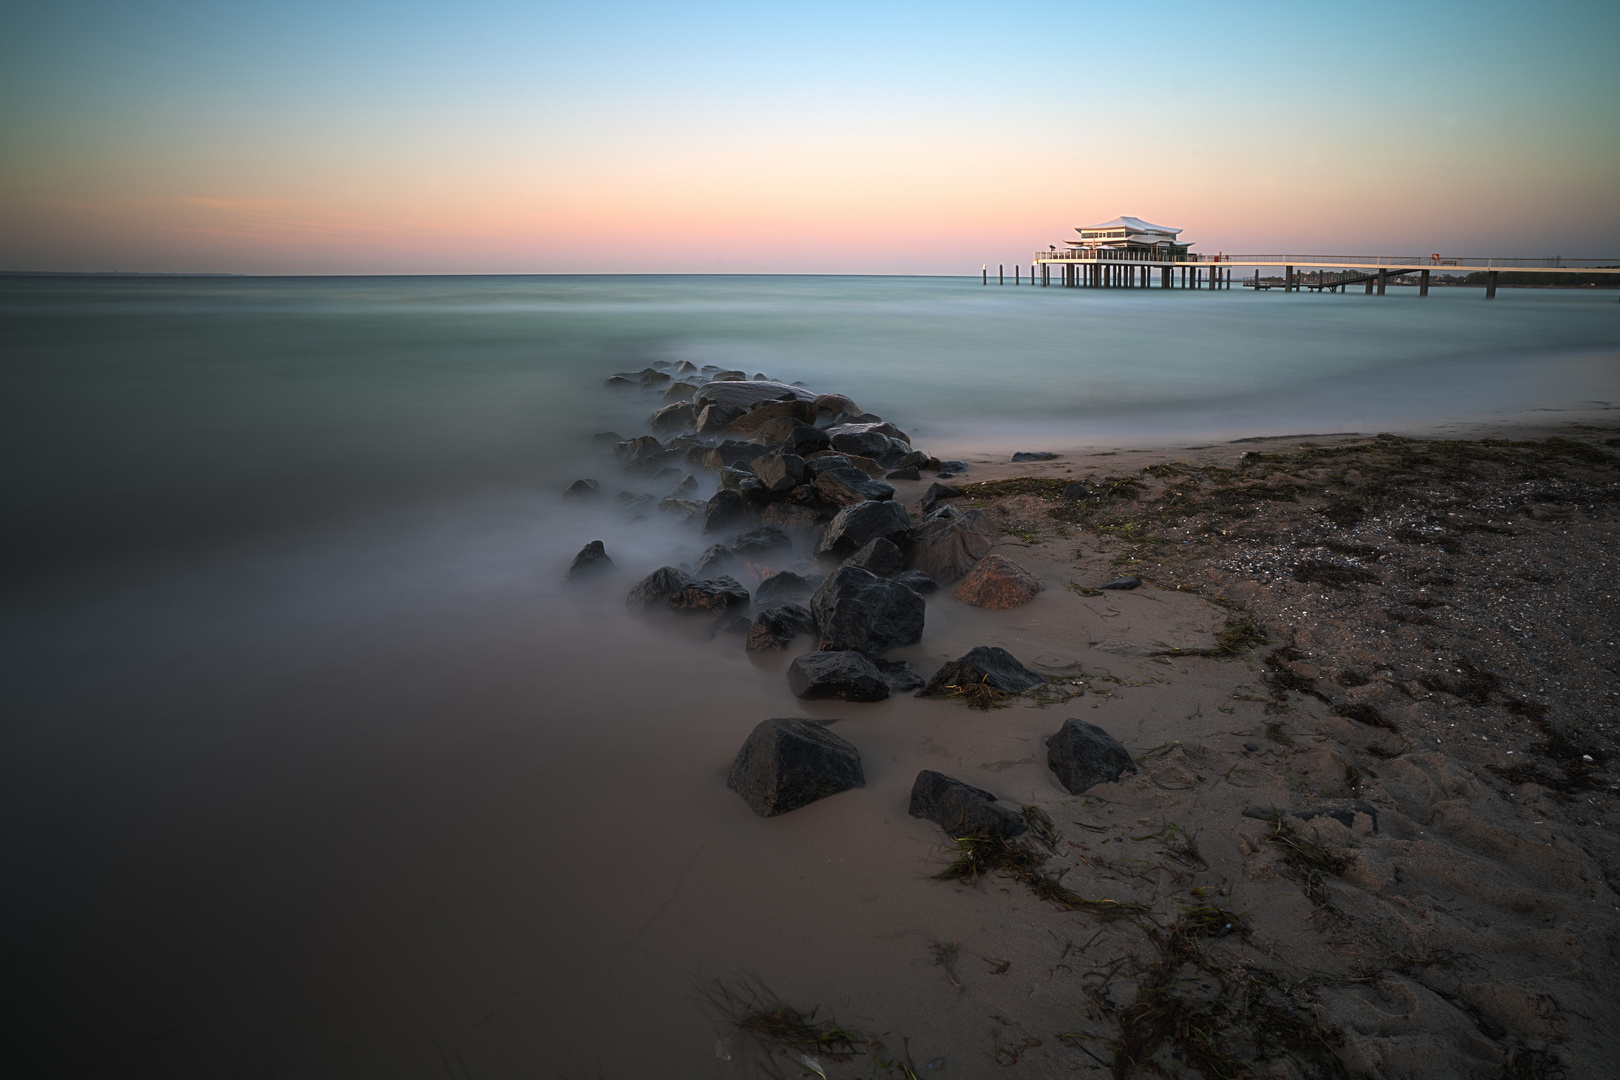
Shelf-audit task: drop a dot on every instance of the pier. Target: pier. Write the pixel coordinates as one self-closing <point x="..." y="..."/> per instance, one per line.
<point x="1128" y="253"/>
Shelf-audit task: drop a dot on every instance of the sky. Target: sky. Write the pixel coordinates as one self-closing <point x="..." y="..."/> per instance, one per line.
<point x="494" y="137"/>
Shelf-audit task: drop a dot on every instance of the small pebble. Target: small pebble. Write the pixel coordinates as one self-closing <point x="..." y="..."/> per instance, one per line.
<point x="1252" y="748"/>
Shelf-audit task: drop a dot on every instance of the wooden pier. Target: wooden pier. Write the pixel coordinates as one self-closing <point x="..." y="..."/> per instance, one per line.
<point x="1120" y="269"/>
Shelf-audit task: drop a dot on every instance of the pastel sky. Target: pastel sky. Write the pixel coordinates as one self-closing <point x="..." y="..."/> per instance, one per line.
<point x="494" y="137"/>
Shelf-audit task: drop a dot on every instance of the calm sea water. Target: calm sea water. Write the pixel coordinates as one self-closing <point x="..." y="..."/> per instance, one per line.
<point x="310" y="768"/>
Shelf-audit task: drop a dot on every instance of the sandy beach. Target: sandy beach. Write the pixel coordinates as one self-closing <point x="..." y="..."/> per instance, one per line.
<point x="1368" y="686"/>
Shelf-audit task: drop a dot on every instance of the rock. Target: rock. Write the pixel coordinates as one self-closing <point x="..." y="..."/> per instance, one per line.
<point x="834" y="404"/>
<point x="793" y="519"/>
<point x="680" y="392"/>
<point x="677" y="417"/>
<point x="582" y="489"/>
<point x="726" y="510"/>
<point x="987" y="665"/>
<point x="845" y="487"/>
<point x="998" y="583"/>
<point x="775" y="628"/>
<point x="618" y="382"/>
<point x="791" y="762"/>
<point x="635" y="507"/>
<point x="656" y="589"/>
<point x="840" y="674"/>
<point x="744" y="395"/>
<point x="686" y="485"/>
<point x="591" y="561"/>
<point x="854" y="609"/>
<point x="730" y="376"/>
<point x="632" y="449"/>
<point x="900" y="675"/>
<point x="792" y="436"/>
<point x="754" y="493"/>
<point x="651" y="463"/>
<point x="864" y="442"/>
<point x="1127" y="582"/>
<point x="1033" y="455"/>
<point x="686" y="509"/>
<point x="712" y="419"/>
<point x="715" y="558"/>
<point x="938" y="493"/>
<point x="766" y="413"/>
<point x="948" y="469"/>
<point x="654" y="378"/>
<point x="879" y="556"/>
<point x="782" y="586"/>
<point x="822" y="460"/>
<point x="962" y="809"/>
<point x="1083" y="755"/>
<point x="1077" y="489"/>
<point x="714" y="595"/>
<point x="760" y="539"/>
<point x="779" y="472"/>
<point x="908" y="473"/>
<point x="914" y="459"/>
<point x="606" y="437"/>
<point x="732" y="454"/>
<point x="949" y="541"/>
<point x="917" y="581"/>
<point x="685" y="367"/>
<point x="733" y="479"/>
<point x="875" y="427"/>
<point x="853" y="527"/>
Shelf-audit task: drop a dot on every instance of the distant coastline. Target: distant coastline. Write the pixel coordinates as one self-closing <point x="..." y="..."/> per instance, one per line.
<point x="115" y="273"/>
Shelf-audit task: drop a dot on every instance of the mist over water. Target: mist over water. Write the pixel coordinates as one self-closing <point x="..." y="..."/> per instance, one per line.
<point x="309" y="764"/>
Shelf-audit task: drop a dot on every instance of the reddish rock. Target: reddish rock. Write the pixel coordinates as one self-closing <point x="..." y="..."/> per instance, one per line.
<point x="998" y="583"/>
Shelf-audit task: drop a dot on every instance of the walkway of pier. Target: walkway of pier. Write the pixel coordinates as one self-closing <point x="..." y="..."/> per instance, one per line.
<point x="1121" y="269"/>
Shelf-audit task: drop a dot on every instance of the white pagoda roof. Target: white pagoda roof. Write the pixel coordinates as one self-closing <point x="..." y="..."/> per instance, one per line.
<point x="1134" y="224"/>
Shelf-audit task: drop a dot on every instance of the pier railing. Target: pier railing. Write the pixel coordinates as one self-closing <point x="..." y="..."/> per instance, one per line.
<point x="1438" y="262"/>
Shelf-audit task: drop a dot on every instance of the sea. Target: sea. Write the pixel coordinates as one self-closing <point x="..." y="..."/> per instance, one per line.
<point x="312" y="767"/>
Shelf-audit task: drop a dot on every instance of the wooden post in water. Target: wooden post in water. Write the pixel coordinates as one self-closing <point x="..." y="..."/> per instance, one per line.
<point x="1288" y="279"/>
<point x="985" y="273"/>
<point x="1490" y="286"/>
<point x="1001" y="273"/>
<point x="1423" y="283"/>
<point x="1383" y="279"/>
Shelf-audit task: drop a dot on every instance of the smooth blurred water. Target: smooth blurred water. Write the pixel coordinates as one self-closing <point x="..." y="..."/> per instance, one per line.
<point x="308" y="765"/>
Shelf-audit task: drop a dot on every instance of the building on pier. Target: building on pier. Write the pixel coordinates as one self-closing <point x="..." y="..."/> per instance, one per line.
<point x="1158" y="243"/>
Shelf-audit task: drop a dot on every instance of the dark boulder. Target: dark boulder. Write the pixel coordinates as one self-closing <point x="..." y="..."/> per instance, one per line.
<point x="873" y="426"/>
<point x="744" y="395"/>
<point x="879" y="556"/>
<point x="712" y="419"/>
<point x="775" y="628"/>
<point x="714" y="595"/>
<point x="997" y="583"/>
<point x="917" y="581"/>
<point x="836" y="674"/>
<point x="686" y="485"/>
<point x="606" y="438"/>
<point x="631" y="449"/>
<point x="853" y="527"/>
<point x="685" y="509"/>
<point x="792" y="435"/>
<point x="779" y="472"/>
<point x="791" y="762"/>
<point x="1127" y="582"/>
<point x="582" y="489"/>
<point x="782" y="587"/>
<point x="865" y="443"/>
<point x="654" y="378"/>
<point x="908" y="473"/>
<point x="915" y="459"/>
<point x="845" y="487"/>
<point x="656" y="589"/>
<point x="760" y="539"/>
<point x="635" y="507"/>
<point x="854" y="609"/>
<point x="1079" y="489"/>
<point x="948" y="469"/>
<point x="715" y="558"/>
<point x="591" y="561"/>
<point x="1033" y="455"/>
<point x="824" y="460"/>
<point x="793" y="519"/>
<point x="962" y="809"/>
<point x="758" y="416"/>
<point x="619" y="382"/>
<point x="949" y="541"/>
<point x="726" y="510"/>
<point x="938" y="493"/>
<point x="676" y="417"/>
<point x="1083" y="755"/>
<point x="986" y="665"/>
<point x="730" y="376"/>
<point x="732" y="454"/>
<point x="732" y="479"/>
